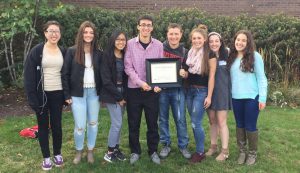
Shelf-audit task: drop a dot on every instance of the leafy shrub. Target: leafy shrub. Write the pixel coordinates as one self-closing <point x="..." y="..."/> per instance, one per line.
<point x="279" y="96"/>
<point x="276" y="36"/>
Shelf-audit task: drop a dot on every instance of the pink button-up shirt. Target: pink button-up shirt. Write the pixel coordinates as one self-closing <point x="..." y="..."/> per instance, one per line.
<point x="135" y="60"/>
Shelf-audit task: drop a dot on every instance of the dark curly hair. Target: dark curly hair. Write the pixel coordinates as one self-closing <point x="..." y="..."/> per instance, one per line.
<point x="247" y="64"/>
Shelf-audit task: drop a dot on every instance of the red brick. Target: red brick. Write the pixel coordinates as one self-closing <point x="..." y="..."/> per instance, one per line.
<point x="223" y="7"/>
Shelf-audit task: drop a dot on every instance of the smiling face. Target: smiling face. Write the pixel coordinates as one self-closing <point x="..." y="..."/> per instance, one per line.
<point x="197" y="40"/>
<point x="145" y="28"/>
<point x="52" y="34"/>
<point x="174" y="35"/>
<point x="88" y="35"/>
<point x="214" y="43"/>
<point x="120" y="42"/>
<point x="240" y="42"/>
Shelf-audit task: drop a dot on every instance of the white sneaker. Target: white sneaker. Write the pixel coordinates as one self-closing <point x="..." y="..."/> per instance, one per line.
<point x="155" y="158"/>
<point x="134" y="157"/>
<point x="165" y="151"/>
<point x="186" y="154"/>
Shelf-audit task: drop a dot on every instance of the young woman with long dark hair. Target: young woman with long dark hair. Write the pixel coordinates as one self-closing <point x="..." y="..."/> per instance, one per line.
<point x="113" y="94"/>
<point x="249" y="93"/>
<point x="221" y="99"/>
<point x="82" y="85"/>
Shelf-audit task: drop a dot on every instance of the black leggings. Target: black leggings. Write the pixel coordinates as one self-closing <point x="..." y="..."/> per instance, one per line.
<point x="55" y="100"/>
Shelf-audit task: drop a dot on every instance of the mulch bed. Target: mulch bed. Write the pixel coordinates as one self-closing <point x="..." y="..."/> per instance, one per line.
<point x="13" y="103"/>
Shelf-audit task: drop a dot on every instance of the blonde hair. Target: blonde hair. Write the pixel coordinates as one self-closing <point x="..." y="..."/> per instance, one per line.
<point x="202" y="29"/>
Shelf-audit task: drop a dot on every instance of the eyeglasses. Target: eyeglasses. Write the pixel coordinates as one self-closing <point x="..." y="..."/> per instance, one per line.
<point x="53" y="32"/>
<point x="119" y="40"/>
<point x="146" y="25"/>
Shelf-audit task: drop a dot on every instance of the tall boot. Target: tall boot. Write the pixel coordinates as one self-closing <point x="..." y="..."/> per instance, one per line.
<point x="252" y="141"/>
<point x="241" y="142"/>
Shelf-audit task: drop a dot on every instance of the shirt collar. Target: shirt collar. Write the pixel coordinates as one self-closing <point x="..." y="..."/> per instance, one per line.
<point x="137" y="39"/>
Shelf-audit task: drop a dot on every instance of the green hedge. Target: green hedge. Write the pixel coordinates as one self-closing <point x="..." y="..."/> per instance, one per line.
<point x="277" y="36"/>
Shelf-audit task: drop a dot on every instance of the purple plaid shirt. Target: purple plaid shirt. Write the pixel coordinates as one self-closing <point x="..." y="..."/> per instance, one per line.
<point x="135" y="60"/>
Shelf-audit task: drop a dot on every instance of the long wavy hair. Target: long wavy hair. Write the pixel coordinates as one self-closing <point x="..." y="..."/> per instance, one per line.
<point x="202" y="29"/>
<point x="109" y="51"/>
<point x="79" y="42"/>
<point x="223" y="52"/>
<point x="247" y="63"/>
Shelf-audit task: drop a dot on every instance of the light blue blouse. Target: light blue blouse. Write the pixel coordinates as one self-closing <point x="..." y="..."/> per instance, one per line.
<point x="249" y="85"/>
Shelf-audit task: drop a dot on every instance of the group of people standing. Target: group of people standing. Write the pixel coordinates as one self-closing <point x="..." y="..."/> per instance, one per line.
<point x="215" y="79"/>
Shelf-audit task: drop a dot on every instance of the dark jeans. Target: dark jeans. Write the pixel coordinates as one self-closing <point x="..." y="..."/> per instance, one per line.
<point x="138" y="101"/>
<point x="246" y="113"/>
<point x="55" y="100"/>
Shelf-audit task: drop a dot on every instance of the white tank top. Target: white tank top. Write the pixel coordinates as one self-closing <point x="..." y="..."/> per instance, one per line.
<point x="89" y="79"/>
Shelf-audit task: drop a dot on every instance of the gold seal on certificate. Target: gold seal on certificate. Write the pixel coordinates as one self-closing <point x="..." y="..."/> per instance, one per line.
<point x="163" y="72"/>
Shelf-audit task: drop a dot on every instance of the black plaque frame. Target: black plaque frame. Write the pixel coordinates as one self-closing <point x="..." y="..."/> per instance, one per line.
<point x="150" y="62"/>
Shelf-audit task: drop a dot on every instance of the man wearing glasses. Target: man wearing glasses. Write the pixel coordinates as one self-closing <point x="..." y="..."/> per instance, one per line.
<point x="140" y="95"/>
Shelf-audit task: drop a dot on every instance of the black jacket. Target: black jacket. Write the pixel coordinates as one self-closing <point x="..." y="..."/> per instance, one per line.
<point x="180" y="52"/>
<point x="73" y="74"/>
<point x="33" y="82"/>
<point x="109" y="93"/>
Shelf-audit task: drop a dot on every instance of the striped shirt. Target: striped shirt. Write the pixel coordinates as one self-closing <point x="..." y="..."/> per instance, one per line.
<point x="135" y="60"/>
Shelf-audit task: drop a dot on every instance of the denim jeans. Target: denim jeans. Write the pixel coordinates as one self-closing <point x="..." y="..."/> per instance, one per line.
<point x="246" y="113"/>
<point x="174" y="97"/>
<point x="116" y="118"/>
<point x="85" y="111"/>
<point x="195" y="103"/>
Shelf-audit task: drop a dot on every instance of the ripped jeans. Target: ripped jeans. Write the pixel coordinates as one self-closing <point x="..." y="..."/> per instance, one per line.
<point x="195" y="105"/>
<point x="85" y="112"/>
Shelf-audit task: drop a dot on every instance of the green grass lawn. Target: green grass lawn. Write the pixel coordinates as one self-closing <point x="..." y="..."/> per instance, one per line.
<point x="278" y="150"/>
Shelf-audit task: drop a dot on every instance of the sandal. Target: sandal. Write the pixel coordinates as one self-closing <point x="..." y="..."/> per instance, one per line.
<point x="223" y="155"/>
<point x="212" y="150"/>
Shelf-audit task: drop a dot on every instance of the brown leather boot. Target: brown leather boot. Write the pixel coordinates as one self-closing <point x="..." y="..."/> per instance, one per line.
<point x="78" y="156"/>
<point x="252" y="142"/>
<point x="90" y="156"/>
<point x="241" y="142"/>
<point x="212" y="150"/>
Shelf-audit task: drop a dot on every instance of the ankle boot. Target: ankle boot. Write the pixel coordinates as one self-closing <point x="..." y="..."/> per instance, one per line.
<point x="78" y="156"/>
<point x="212" y="150"/>
<point x="223" y="155"/>
<point x="241" y="142"/>
<point x="252" y="141"/>
<point x="90" y="156"/>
